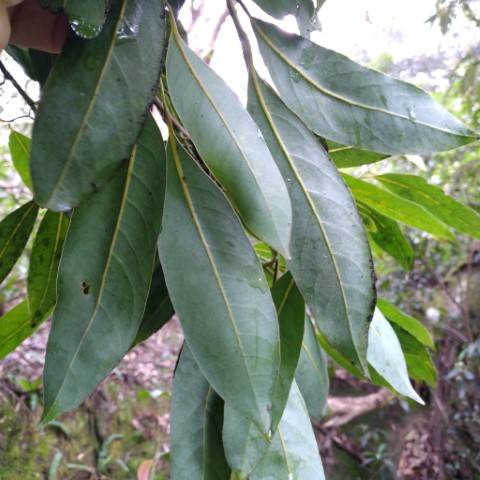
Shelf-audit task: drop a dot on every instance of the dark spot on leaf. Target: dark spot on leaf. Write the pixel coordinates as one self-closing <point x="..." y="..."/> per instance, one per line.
<point x="95" y="187"/>
<point x="85" y="288"/>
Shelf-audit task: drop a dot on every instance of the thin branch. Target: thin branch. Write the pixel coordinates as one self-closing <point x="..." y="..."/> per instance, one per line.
<point x="216" y="31"/>
<point x="19" y="89"/>
<point x="178" y="126"/>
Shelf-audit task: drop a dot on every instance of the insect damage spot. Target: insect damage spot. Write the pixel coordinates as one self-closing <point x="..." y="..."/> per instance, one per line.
<point x="85" y="288"/>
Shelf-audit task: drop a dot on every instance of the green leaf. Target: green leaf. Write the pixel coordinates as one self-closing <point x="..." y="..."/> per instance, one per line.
<point x="244" y="444"/>
<point x="221" y="297"/>
<point x="304" y="12"/>
<point x="96" y="99"/>
<point x="20" y="151"/>
<point x="15" y="230"/>
<point x="408" y="323"/>
<point x="312" y="373"/>
<point x="353" y="105"/>
<point x="291" y="318"/>
<point x="397" y="208"/>
<point x="330" y="256"/>
<point x="386" y="357"/>
<point x="196" y="450"/>
<point x="293" y="453"/>
<point x="15" y="327"/>
<point x="419" y="363"/>
<point x="281" y="8"/>
<point x="104" y="277"/>
<point x="346" y="157"/>
<point x="159" y="309"/>
<point x="388" y="236"/>
<point x="230" y="144"/>
<point x="86" y="16"/>
<point x="44" y="260"/>
<point x="444" y="207"/>
<point x="35" y="64"/>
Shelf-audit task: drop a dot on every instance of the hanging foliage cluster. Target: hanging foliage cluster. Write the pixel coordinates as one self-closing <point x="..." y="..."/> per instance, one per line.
<point x="240" y="220"/>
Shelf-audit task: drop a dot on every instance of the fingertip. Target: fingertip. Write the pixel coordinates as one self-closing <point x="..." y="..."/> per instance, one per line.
<point x="59" y="33"/>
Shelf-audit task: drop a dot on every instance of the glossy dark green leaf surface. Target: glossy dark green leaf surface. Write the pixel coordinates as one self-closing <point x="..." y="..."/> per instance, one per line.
<point x="158" y="310"/>
<point x="397" y="208"/>
<point x="101" y="301"/>
<point x="388" y="236"/>
<point x="419" y="363"/>
<point x="86" y="16"/>
<point x="19" y="146"/>
<point x="196" y="449"/>
<point x="407" y="322"/>
<point x="342" y="101"/>
<point x="312" y="373"/>
<point x="330" y="256"/>
<point x="230" y="144"/>
<point x="96" y="100"/>
<point x="15" y="327"/>
<point x="244" y="443"/>
<point x="219" y="291"/>
<point x="44" y="260"/>
<point x="15" y="230"/>
<point x="293" y="453"/>
<point x="444" y="207"/>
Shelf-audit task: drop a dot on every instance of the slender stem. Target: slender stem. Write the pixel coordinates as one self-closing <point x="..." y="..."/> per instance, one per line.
<point x="20" y="90"/>
<point x="161" y="106"/>
<point x="246" y="48"/>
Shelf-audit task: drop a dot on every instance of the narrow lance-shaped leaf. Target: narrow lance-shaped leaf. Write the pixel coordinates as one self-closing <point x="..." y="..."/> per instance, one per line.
<point x="293" y="453"/>
<point x="230" y="144"/>
<point x="312" y="373"/>
<point x="158" y="310"/>
<point x="96" y="100"/>
<point x="419" y="363"/>
<point x="101" y="301"/>
<point x="86" y="16"/>
<point x="386" y="357"/>
<point x="44" y="260"/>
<point x="196" y="449"/>
<point x="389" y="237"/>
<point x="444" y="207"/>
<point x="397" y="208"/>
<point x="353" y="105"/>
<point x="15" y="230"/>
<point x="19" y="146"/>
<point x="346" y="157"/>
<point x="15" y="327"/>
<point x="330" y="257"/>
<point x="219" y="291"/>
<point x="408" y="323"/>
<point x="244" y="443"/>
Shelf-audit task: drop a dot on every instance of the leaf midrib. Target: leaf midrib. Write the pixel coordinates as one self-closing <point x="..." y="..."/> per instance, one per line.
<point x="340" y="98"/>
<point x="429" y="198"/>
<point x="225" y="124"/>
<point x="104" y="276"/>
<point x="216" y="274"/>
<point x="309" y="201"/>
<point x="15" y="230"/>
<point x="90" y="107"/>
